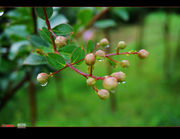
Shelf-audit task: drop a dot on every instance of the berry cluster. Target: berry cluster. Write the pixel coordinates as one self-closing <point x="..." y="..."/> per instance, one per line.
<point x="110" y="82"/>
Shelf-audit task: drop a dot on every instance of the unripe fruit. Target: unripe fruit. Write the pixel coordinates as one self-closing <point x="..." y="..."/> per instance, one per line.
<point x="100" y="53"/>
<point x="121" y="45"/>
<point x="104" y="42"/>
<point x="110" y="83"/>
<point x="60" y="41"/>
<point x="124" y="63"/>
<point x="90" y="59"/>
<point x="42" y="78"/>
<point x="120" y="76"/>
<point x="103" y="94"/>
<point x="91" y="81"/>
<point x="143" y="53"/>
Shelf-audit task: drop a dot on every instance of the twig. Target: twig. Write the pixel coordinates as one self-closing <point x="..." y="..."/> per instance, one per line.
<point x="49" y="28"/>
<point x="8" y="95"/>
<point x="96" y="17"/>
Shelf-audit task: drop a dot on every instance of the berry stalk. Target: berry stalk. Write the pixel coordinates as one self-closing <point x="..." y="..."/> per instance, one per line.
<point x="49" y="28"/>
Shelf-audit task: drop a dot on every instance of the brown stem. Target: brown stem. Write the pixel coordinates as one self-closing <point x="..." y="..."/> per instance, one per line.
<point x="91" y="70"/>
<point x="34" y="20"/>
<point x="96" y="17"/>
<point x="32" y="102"/>
<point x="10" y="93"/>
<point x="49" y="28"/>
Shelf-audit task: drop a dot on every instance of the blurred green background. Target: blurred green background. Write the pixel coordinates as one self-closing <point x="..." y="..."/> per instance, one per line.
<point x="150" y="96"/>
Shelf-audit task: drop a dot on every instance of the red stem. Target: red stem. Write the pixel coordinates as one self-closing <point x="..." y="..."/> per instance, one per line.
<point x="49" y="28"/>
<point x="52" y="33"/>
<point x="113" y="60"/>
<point x="89" y="75"/>
<point x="123" y="53"/>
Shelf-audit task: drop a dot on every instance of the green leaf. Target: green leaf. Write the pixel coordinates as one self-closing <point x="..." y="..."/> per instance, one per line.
<point x="121" y="13"/>
<point x="17" y="48"/>
<point x="16" y="30"/>
<point x="34" y="59"/>
<point x="37" y="41"/>
<point x="55" y="60"/>
<point x="84" y="16"/>
<point x="44" y="34"/>
<point x="46" y="49"/>
<point x="105" y="23"/>
<point x="40" y="13"/>
<point x="77" y="54"/>
<point x="111" y="63"/>
<point x="90" y="46"/>
<point x="57" y="20"/>
<point x="62" y="29"/>
<point x="68" y="48"/>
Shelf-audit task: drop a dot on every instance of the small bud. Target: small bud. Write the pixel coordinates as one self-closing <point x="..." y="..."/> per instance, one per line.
<point x="110" y="83"/>
<point x="124" y="63"/>
<point x="120" y="76"/>
<point x="91" y="81"/>
<point x="104" y="42"/>
<point x="100" y="53"/>
<point x="60" y="41"/>
<point x="42" y="78"/>
<point x="90" y="59"/>
<point x="121" y="45"/>
<point x="103" y="94"/>
<point x="143" y="53"/>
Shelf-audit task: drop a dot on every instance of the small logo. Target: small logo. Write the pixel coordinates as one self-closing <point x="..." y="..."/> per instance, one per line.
<point x="21" y="125"/>
<point x="8" y="125"/>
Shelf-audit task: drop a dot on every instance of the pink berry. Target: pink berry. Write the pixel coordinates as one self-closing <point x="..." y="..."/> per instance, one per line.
<point x="90" y="59"/>
<point x="91" y="81"/>
<point x="124" y="63"/>
<point x="110" y="83"/>
<point x="121" y="45"/>
<point x="60" y="41"/>
<point x="143" y="53"/>
<point x="100" y="53"/>
<point x="120" y="76"/>
<point x="42" y="78"/>
<point x="104" y="42"/>
<point x="103" y="94"/>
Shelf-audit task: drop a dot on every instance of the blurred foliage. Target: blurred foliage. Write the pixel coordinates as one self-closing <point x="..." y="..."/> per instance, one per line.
<point x="144" y="100"/>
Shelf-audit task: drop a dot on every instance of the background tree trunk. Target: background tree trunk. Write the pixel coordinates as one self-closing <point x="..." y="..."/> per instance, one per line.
<point x="113" y="102"/>
<point x="167" y="52"/>
<point x="32" y="102"/>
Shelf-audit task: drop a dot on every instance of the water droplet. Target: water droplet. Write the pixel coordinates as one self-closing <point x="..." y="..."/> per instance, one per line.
<point x="107" y="46"/>
<point x="100" y="59"/>
<point x="44" y="84"/>
<point x="1" y="13"/>
<point x="113" y="91"/>
<point x="123" y="82"/>
<point x="119" y="82"/>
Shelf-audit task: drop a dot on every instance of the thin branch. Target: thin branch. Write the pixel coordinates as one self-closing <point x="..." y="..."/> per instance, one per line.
<point x="34" y="20"/>
<point x="49" y="28"/>
<point x="96" y="17"/>
<point x="8" y="95"/>
<point x="113" y="60"/>
<point x="52" y="33"/>
<point x="91" y="70"/>
<point x="90" y="75"/>
<point x="123" y="53"/>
